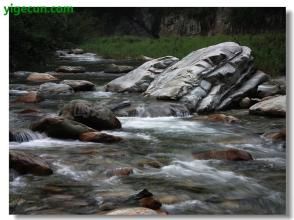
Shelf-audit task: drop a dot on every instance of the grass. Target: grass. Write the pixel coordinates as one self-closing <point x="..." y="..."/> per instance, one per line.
<point x="268" y="49"/>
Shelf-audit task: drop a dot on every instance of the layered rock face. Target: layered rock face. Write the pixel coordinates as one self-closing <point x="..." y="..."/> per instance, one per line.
<point x="139" y="79"/>
<point x="209" y="79"/>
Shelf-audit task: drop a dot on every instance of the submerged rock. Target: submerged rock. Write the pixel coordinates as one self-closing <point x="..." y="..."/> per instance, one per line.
<point x="49" y="90"/>
<point x="273" y="106"/>
<point x="139" y="79"/>
<point x="79" y="85"/>
<point x="150" y="202"/>
<point x="90" y="114"/>
<point x="29" y="111"/>
<point x="25" y="163"/>
<point x="231" y="154"/>
<point x="276" y="136"/>
<point x="123" y="171"/>
<point x="137" y="211"/>
<point x="71" y="69"/>
<point x="99" y="137"/>
<point x="41" y="77"/>
<point x="59" y="127"/>
<point x="219" y="118"/>
<point x="113" y="68"/>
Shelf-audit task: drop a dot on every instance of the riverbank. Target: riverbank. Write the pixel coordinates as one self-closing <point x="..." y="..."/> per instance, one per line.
<point x="268" y="49"/>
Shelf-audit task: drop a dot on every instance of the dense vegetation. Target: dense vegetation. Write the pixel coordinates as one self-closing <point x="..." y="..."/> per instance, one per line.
<point x="129" y="32"/>
<point x="268" y="49"/>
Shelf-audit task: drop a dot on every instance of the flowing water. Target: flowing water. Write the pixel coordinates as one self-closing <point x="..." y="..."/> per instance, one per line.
<point x="160" y="151"/>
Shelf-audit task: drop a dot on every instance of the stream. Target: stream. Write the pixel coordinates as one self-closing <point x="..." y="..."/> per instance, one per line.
<point x="158" y="149"/>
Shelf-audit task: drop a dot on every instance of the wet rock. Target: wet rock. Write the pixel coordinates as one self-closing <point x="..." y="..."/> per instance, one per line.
<point x="41" y="77"/>
<point x="209" y="79"/>
<point x="150" y="202"/>
<point x="245" y="102"/>
<point x="155" y="110"/>
<point x="142" y="194"/>
<point x="231" y="154"/>
<point x="113" y="68"/>
<point x="172" y="199"/>
<point x="50" y="90"/>
<point x="29" y="111"/>
<point x="59" y="127"/>
<point x="79" y="85"/>
<point x="276" y="136"/>
<point x="219" y="118"/>
<point x="99" y="137"/>
<point x="90" y="114"/>
<point x="137" y="211"/>
<point x="30" y="97"/>
<point x="275" y="106"/>
<point x="149" y="163"/>
<point x="77" y="51"/>
<point x="120" y="105"/>
<point x="139" y="79"/>
<point x="25" y="163"/>
<point x="124" y="171"/>
<point x="71" y="69"/>
<point x="267" y="89"/>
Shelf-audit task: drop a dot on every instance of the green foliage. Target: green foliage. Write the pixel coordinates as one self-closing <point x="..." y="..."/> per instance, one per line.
<point x="268" y="49"/>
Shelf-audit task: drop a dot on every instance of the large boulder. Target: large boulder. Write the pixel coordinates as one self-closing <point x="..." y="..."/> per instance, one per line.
<point x="59" y="127"/>
<point x="231" y="154"/>
<point x="49" y="90"/>
<point x="212" y="78"/>
<point x="274" y="106"/>
<point x="113" y="68"/>
<point x="71" y="69"/>
<point x="137" y="211"/>
<point x="139" y="79"/>
<point x="41" y="77"/>
<point x="25" y="163"/>
<point x="90" y="114"/>
<point x="79" y="85"/>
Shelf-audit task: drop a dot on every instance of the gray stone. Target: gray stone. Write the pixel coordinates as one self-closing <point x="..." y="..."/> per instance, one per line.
<point x="90" y="114"/>
<point x="275" y="106"/>
<point x="48" y="90"/>
<point x="71" y="69"/>
<point x="79" y="85"/>
<point x="113" y="68"/>
<point x="139" y="79"/>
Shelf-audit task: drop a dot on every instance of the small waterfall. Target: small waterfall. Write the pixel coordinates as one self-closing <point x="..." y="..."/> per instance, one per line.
<point x="24" y="135"/>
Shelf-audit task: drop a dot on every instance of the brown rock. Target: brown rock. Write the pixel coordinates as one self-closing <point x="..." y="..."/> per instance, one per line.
<point x="31" y="97"/>
<point x="41" y="77"/>
<point x="25" y="163"/>
<point x="231" y="154"/>
<point x="276" y="136"/>
<point x="223" y="118"/>
<point x="133" y="211"/>
<point x="150" y="202"/>
<point x="29" y="110"/>
<point x="99" y="137"/>
<point x="124" y="171"/>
